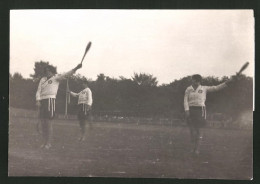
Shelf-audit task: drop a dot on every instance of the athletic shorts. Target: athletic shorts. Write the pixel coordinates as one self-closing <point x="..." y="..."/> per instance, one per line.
<point x="197" y="116"/>
<point x="83" y="113"/>
<point x="47" y="108"/>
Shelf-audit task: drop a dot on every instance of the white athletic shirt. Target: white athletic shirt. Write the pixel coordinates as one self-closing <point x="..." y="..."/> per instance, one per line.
<point x="85" y="96"/>
<point x="48" y="88"/>
<point x="198" y="97"/>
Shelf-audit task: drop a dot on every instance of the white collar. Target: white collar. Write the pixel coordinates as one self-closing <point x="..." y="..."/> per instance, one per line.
<point x="199" y="87"/>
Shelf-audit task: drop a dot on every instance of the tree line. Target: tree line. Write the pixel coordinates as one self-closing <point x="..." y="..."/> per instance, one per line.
<point x="139" y="95"/>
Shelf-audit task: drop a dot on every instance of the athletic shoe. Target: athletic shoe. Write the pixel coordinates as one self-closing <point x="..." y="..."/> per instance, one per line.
<point x="47" y="146"/>
<point x="197" y="152"/>
<point x="83" y="139"/>
<point x="42" y="146"/>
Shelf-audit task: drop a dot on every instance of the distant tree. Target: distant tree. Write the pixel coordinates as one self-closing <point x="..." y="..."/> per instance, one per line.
<point x="39" y="69"/>
<point x="101" y="77"/>
<point x="138" y="95"/>
<point x="145" y="79"/>
<point x="17" y="76"/>
<point x="21" y="92"/>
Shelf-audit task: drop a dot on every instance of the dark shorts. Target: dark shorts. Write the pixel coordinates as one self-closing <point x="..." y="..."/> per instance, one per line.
<point x="47" y="108"/>
<point x="83" y="113"/>
<point x="197" y="117"/>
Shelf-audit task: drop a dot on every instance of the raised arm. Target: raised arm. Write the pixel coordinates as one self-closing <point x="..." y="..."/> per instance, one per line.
<point x="63" y="76"/>
<point x="222" y="85"/>
<point x="216" y="88"/>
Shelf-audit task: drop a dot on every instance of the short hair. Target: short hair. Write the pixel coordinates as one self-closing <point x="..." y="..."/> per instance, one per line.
<point x="50" y="68"/>
<point x="197" y="77"/>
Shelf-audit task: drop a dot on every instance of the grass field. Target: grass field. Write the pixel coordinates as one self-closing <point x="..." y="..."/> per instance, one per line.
<point x="128" y="150"/>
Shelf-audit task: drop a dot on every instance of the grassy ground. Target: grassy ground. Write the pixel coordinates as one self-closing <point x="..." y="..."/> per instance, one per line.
<point x="128" y="150"/>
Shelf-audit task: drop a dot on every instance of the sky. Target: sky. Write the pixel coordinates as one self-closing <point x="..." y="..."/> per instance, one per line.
<point x="169" y="44"/>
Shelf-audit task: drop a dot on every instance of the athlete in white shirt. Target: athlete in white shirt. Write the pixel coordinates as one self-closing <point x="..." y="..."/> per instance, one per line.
<point x="45" y="100"/>
<point x="84" y="108"/>
<point x="195" y="109"/>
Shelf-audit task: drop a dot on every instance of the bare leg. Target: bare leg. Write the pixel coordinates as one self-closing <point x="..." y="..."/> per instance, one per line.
<point x="82" y="124"/>
<point x="90" y="125"/>
<point x="193" y="137"/>
<point x="90" y="122"/>
<point x="197" y="140"/>
<point x="191" y="134"/>
<point x="49" y="133"/>
<point x="44" y="131"/>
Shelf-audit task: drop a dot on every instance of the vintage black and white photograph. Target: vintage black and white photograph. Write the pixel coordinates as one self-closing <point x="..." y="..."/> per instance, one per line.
<point x="131" y="93"/>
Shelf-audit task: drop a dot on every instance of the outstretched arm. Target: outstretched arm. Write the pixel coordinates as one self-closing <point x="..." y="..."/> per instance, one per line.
<point x="216" y="88"/>
<point x="222" y="85"/>
<point x="68" y="74"/>
<point x="74" y="94"/>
